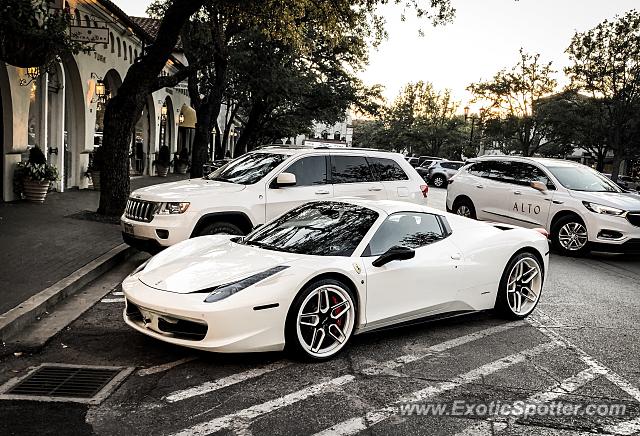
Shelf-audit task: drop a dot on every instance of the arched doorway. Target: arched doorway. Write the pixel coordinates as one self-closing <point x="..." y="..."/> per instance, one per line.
<point x="74" y="134"/>
<point x="143" y="140"/>
<point x="167" y="124"/>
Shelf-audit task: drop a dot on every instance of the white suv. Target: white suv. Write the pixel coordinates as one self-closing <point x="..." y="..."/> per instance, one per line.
<point x="261" y="185"/>
<point x="580" y="208"/>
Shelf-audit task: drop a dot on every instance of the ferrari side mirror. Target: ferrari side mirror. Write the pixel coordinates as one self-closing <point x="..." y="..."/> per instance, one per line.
<point x="394" y="253"/>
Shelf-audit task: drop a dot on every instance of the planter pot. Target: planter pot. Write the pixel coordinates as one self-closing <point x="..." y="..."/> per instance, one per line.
<point x="35" y="191"/>
<point x="95" y="180"/>
<point x="162" y="170"/>
<point x="181" y="168"/>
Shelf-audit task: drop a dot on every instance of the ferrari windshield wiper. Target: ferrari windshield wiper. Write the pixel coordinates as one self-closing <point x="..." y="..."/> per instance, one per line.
<point x="262" y="245"/>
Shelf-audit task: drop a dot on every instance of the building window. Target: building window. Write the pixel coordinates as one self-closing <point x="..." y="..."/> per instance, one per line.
<point x="336" y="136"/>
<point x="135" y="53"/>
<point x="113" y="44"/>
<point x="87" y="20"/>
<point x="119" y="46"/>
<point x="78" y="19"/>
<point x="124" y="49"/>
<point x="130" y="54"/>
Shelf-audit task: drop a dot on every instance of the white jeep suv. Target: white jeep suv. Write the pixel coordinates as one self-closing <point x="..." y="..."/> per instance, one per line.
<point x="580" y="208"/>
<point x="261" y="185"/>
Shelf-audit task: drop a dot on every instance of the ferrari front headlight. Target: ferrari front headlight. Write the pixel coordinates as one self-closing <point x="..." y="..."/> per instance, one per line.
<point x="172" y="208"/>
<point x="604" y="210"/>
<point x="224" y="291"/>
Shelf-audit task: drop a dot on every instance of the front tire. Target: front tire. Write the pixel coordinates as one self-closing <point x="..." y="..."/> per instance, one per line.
<point x="220" y="228"/>
<point x="569" y="236"/>
<point x="464" y="207"/>
<point x="321" y="320"/>
<point x="520" y="286"/>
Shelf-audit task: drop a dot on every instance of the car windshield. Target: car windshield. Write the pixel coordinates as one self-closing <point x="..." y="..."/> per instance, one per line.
<point x="582" y="179"/>
<point x="319" y="229"/>
<point x="248" y="169"/>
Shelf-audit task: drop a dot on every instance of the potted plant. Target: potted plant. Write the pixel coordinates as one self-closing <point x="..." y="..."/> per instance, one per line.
<point x="36" y="176"/>
<point x="182" y="162"/>
<point x="163" y="161"/>
<point x="95" y="166"/>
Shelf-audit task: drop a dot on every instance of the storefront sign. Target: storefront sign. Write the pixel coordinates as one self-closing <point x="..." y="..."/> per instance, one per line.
<point x="97" y="35"/>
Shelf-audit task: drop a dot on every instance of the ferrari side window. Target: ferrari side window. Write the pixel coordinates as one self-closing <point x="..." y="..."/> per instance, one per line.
<point x="406" y="229"/>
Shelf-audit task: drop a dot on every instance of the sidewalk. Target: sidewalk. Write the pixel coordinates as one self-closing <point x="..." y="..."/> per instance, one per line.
<point x="42" y="244"/>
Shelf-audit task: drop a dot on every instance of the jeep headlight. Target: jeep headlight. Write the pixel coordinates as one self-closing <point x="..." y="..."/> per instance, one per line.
<point x="604" y="210"/>
<point x="172" y="208"/>
<point x="223" y="291"/>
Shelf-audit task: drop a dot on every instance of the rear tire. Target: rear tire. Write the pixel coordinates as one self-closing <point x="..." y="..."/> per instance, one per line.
<point x="464" y="207"/>
<point x="520" y="286"/>
<point x="569" y="236"/>
<point x="220" y="228"/>
<point x="321" y="320"/>
<point x="439" y="181"/>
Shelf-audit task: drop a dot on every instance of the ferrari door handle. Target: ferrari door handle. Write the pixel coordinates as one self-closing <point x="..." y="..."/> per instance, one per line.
<point x="376" y="189"/>
<point x="456" y="256"/>
<point x="517" y="193"/>
<point x="322" y="192"/>
<point x="479" y="186"/>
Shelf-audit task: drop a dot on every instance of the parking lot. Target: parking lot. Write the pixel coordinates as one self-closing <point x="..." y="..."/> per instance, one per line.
<point x="580" y="348"/>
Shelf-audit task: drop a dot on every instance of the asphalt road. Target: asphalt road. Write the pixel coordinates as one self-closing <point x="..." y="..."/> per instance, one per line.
<point x="580" y="348"/>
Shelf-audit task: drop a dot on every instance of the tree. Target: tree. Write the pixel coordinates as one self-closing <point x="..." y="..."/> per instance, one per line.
<point x="511" y="98"/>
<point x="606" y="65"/>
<point x="423" y="120"/>
<point x="574" y="120"/>
<point x="277" y="19"/>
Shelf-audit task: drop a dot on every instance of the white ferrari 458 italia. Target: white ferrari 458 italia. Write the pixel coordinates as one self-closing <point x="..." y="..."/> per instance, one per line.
<point x="322" y="272"/>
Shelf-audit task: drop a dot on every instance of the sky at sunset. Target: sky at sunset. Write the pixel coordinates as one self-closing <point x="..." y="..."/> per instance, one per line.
<point x="484" y="37"/>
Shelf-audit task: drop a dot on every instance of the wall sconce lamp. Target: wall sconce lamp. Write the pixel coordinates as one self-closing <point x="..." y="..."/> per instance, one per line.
<point x="32" y="74"/>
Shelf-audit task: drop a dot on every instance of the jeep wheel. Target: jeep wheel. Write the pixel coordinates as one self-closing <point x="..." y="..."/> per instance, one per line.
<point x="220" y="228"/>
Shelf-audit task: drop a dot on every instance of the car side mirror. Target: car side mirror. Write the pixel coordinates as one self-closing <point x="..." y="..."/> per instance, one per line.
<point x="539" y="186"/>
<point x="285" y="179"/>
<point x="394" y="253"/>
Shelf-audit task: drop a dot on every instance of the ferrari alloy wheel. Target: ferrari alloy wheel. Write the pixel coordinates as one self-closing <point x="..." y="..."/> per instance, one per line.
<point x="323" y="321"/>
<point x="520" y="287"/>
<point x="570" y="237"/>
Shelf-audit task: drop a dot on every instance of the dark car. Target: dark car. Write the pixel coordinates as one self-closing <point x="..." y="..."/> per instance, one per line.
<point x="441" y="171"/>
<point x="423" y="169"/>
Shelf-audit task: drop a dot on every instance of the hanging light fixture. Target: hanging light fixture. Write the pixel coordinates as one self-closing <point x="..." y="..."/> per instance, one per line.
<point x="32" y="74"/>
<point x="181" y="118"/>
<point x="163" y="112"/>
<point x="101" y="91"/>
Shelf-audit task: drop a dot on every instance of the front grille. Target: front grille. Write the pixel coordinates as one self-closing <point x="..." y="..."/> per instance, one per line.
<point x="60" y="382"/>
<point x="175" y="327"/>
<point x="634" y="218"/>
<point x="140" y="210"/>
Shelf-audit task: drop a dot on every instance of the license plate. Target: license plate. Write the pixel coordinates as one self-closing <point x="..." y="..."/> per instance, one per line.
<point x="128" y="228"/>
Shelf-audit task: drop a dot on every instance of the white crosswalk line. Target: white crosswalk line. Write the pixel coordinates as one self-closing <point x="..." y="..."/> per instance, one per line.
<point x="253" y="412"/>
<point x="552" y="393"/>
<point x="164" y="367"/>
<point x="117" y="293"/>
<point x="112" y="300"/>
<point x="224" y="382"/>
<point x="614" y="378"/>
<point x="356" y="425"/>
<point x="279" y="402"/>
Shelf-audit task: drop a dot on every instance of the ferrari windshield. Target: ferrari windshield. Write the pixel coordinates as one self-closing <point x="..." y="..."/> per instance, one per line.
<point x="582" y="179"/>
<point x="319" y="229"/>
<point x="248" y="169"/>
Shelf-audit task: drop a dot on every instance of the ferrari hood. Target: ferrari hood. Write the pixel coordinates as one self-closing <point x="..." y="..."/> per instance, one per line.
<point x="208" y="261"/>
<point x="620" y="200"/>
<point x="185" y="190"/>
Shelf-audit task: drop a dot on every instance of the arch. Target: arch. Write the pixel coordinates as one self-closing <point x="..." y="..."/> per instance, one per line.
<point x="112" y="80"/>
<point x="55" y="123"/>
<point x="87" y="19"/>
<point x="75" y="130"/>
<point x="167" y="125"/>
<point x="77" y="17"/>
<point x="6" y="127"/>
<point x="135" y="52"/>
<point x="130" y="54"/>
<point x="124" y="49"/>
<point x="119" y="46"/>
<point x="112" y="40"/>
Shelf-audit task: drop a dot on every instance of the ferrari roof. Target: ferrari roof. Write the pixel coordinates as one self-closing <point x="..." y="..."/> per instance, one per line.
<point x="389" y="206"/>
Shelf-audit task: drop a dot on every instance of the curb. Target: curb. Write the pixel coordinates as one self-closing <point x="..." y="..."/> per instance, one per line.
<point x="23" y="315"/>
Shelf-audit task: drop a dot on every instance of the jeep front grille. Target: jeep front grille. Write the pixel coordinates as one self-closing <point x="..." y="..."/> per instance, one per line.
<point x="140" y="210"/>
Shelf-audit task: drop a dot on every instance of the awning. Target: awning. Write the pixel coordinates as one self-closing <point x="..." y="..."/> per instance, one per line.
<point x="190" y="118"/>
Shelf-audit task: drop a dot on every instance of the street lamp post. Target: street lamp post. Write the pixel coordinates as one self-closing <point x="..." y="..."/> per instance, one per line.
<point x="473" y="117"/>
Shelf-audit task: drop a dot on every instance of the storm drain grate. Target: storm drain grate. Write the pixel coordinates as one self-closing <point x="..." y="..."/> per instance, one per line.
<point x="61" y="382"/>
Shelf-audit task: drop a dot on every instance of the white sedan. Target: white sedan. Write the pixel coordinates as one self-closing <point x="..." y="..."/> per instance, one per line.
<point x="315" y="276"/>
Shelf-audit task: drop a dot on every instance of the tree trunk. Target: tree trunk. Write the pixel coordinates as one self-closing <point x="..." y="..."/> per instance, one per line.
<point x="250" y="128"/>
<point x="124" y="108"/>
<point x="201" y="138"/>
<point x="600" y="155"/>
